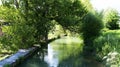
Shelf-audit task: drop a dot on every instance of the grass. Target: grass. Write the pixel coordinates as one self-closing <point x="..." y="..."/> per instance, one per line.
<point x="4" y="53"/>
<point x="109" y="41"/>
<point x="3" y="57"/>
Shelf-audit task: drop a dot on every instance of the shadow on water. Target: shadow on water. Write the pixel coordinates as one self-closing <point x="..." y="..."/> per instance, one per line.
<point x="36" y="60"/>
<point x="65" y="52"/>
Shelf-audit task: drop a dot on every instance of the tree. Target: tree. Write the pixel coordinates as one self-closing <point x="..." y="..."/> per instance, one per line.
<point x="91" y="29"/>
<point x="112" y="19"/>
<point x="10" y="3"/>
<point x="38" y="15"/>
<point x="70" y="15"/>
<point x="67" y="13"/>
<point x="17" y="33"/>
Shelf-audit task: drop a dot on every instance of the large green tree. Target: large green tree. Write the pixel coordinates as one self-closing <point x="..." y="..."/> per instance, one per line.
<point x="67" y="13"/>
<point x="92" y="26"/>
<point x="38" y="15"/>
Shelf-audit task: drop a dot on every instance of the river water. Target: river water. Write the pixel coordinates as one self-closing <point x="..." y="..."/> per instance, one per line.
<point x="65" y="52"/>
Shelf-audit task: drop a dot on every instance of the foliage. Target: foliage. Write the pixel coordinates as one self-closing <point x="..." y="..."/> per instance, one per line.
<point x="107" y="42"/>
<point x="88" y="6"/>
<point x="107" y="45"/>
<point x="13" y="13"/>
<point x="91" y="29"/>
<point x="31" y="21"/>
<point x="112" y="19"/>
<point x="92" y="26"/>
<point x="18" y="32"/>
<point x="70" y="15"/>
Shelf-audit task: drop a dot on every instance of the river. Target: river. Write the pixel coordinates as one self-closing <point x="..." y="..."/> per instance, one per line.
<point x="64" y="52"/>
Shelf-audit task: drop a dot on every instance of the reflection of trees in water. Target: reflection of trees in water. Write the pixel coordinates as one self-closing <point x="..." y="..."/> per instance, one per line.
<point x="36" y="61"/>
<point x="79" y="61"/>
<point x="71" y="61"/>
<point x="68" y="53"/>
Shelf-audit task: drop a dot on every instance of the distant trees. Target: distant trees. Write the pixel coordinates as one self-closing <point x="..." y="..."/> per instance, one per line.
<point x="111" y="19"/>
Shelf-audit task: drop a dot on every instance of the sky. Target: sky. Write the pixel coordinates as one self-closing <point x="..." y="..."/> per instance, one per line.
<point x="0" y="2"/>
<point x="105" y="4"/>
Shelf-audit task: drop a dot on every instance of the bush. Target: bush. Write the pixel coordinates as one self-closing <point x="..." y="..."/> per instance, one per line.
<point x="92" y="26"/>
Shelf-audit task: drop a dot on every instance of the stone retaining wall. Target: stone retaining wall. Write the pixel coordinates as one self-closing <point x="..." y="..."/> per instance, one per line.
<point x="17" y="57"/>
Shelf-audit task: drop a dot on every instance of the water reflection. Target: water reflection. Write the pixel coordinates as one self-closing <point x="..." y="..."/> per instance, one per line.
<point x="35" y="61"/>
<point x="51" y="58"/>
<point x="65" y="52"/>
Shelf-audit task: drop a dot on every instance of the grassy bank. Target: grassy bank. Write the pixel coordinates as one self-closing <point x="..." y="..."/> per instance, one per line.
<point x="108" y="46"/>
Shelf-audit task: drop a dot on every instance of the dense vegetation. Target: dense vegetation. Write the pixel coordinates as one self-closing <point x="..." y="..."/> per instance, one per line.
<point x="29" y="22"/>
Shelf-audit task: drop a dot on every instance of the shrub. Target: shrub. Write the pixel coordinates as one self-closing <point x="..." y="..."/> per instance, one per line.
<point x="92" y="26"/>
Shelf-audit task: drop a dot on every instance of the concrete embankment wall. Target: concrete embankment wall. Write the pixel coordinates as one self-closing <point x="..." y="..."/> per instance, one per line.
<point x="16" y="58"/>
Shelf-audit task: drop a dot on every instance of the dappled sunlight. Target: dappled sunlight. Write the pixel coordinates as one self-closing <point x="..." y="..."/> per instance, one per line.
<point x="4" y="53"/>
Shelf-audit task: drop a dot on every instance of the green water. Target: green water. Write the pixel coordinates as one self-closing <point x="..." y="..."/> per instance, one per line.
<point x="65" y="52"/>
